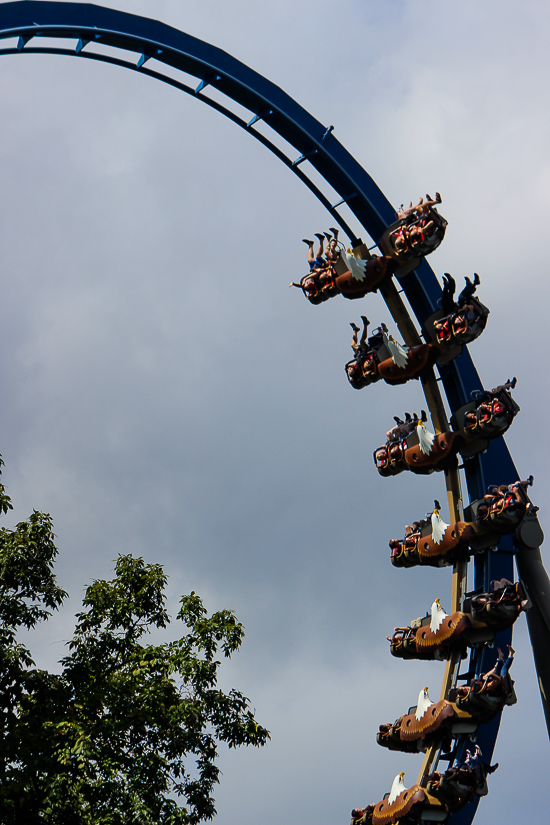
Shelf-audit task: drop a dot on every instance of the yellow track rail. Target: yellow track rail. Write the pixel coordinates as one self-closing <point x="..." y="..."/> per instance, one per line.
<point x="454" y="497"/>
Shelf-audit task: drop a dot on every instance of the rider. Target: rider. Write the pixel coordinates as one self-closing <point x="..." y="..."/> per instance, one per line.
<point x="316" y="261"/>
<point x="332" y="252"/>
<point x="421" y="209"/>
<point x="418" y="227"/>
<point x="502" y="666"/>
<point x="319" y="265"/>
<point x="359" y="347"/>
<point x="448" y="304"/>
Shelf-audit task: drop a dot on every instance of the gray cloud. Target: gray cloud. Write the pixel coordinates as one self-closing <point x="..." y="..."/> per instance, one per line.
<point x="166" y="394"/>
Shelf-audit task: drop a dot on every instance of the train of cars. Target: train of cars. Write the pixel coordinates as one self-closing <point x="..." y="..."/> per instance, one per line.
<point x="452" y="722"/>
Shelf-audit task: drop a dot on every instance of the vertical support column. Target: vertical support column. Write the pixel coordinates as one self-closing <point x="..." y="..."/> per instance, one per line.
<point x="454" y="496"/>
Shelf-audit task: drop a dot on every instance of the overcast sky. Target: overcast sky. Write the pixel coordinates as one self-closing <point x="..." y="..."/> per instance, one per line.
<point x="164" y="393"/>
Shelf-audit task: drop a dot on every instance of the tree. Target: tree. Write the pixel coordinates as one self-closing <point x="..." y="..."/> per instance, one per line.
<point x="127" y="728"/>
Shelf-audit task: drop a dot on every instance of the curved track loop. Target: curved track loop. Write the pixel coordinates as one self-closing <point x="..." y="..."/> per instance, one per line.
<point x="83" y="27"/>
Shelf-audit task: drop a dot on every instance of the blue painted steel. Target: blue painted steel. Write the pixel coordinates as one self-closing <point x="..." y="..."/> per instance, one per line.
<point x="28" y="20"/>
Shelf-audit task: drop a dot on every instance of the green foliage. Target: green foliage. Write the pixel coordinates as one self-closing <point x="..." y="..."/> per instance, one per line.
<point x="126" y="728"/>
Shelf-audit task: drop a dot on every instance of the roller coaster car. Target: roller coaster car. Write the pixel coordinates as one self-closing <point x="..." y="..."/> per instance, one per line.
<point x="432" y="542"/>
<point x="411" y="735"/>
<point x="438" y="644"/>
<point x="500" y="607"/>
<point x="429" y="723"/>
<point x="457" y="323"/>
<point x="485" y="696"/>
<point x="375" y="361"/>
<point x="505" y="509"/>
<point x="351" y="276"/>
<point x="389" y="459"/>
<point x="437" y="635"/>
<point x="363" y="370"/>
<point x="412" y="805"/>
<point x="319" y="285"/>
<point x="419" y="546"/>
<point x="411" y="238"/>
<point x="462" y="326"/>
<point x="419" y="642"/>
<point x="410" y="446"/>
<point x="459" y="784"/>
<point x="488" y="416"/>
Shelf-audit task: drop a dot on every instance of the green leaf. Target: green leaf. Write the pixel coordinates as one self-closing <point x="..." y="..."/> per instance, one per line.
<point x="126" y="732"/>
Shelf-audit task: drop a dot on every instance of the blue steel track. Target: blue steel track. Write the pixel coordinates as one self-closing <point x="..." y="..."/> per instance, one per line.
<point x="81" y="25"/>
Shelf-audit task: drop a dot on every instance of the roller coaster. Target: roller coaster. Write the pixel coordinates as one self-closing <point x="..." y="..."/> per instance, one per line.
<point x="499" y="524"/>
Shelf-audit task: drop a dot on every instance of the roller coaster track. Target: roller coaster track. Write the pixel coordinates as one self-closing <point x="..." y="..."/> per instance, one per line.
<point x="90" y="32"/>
